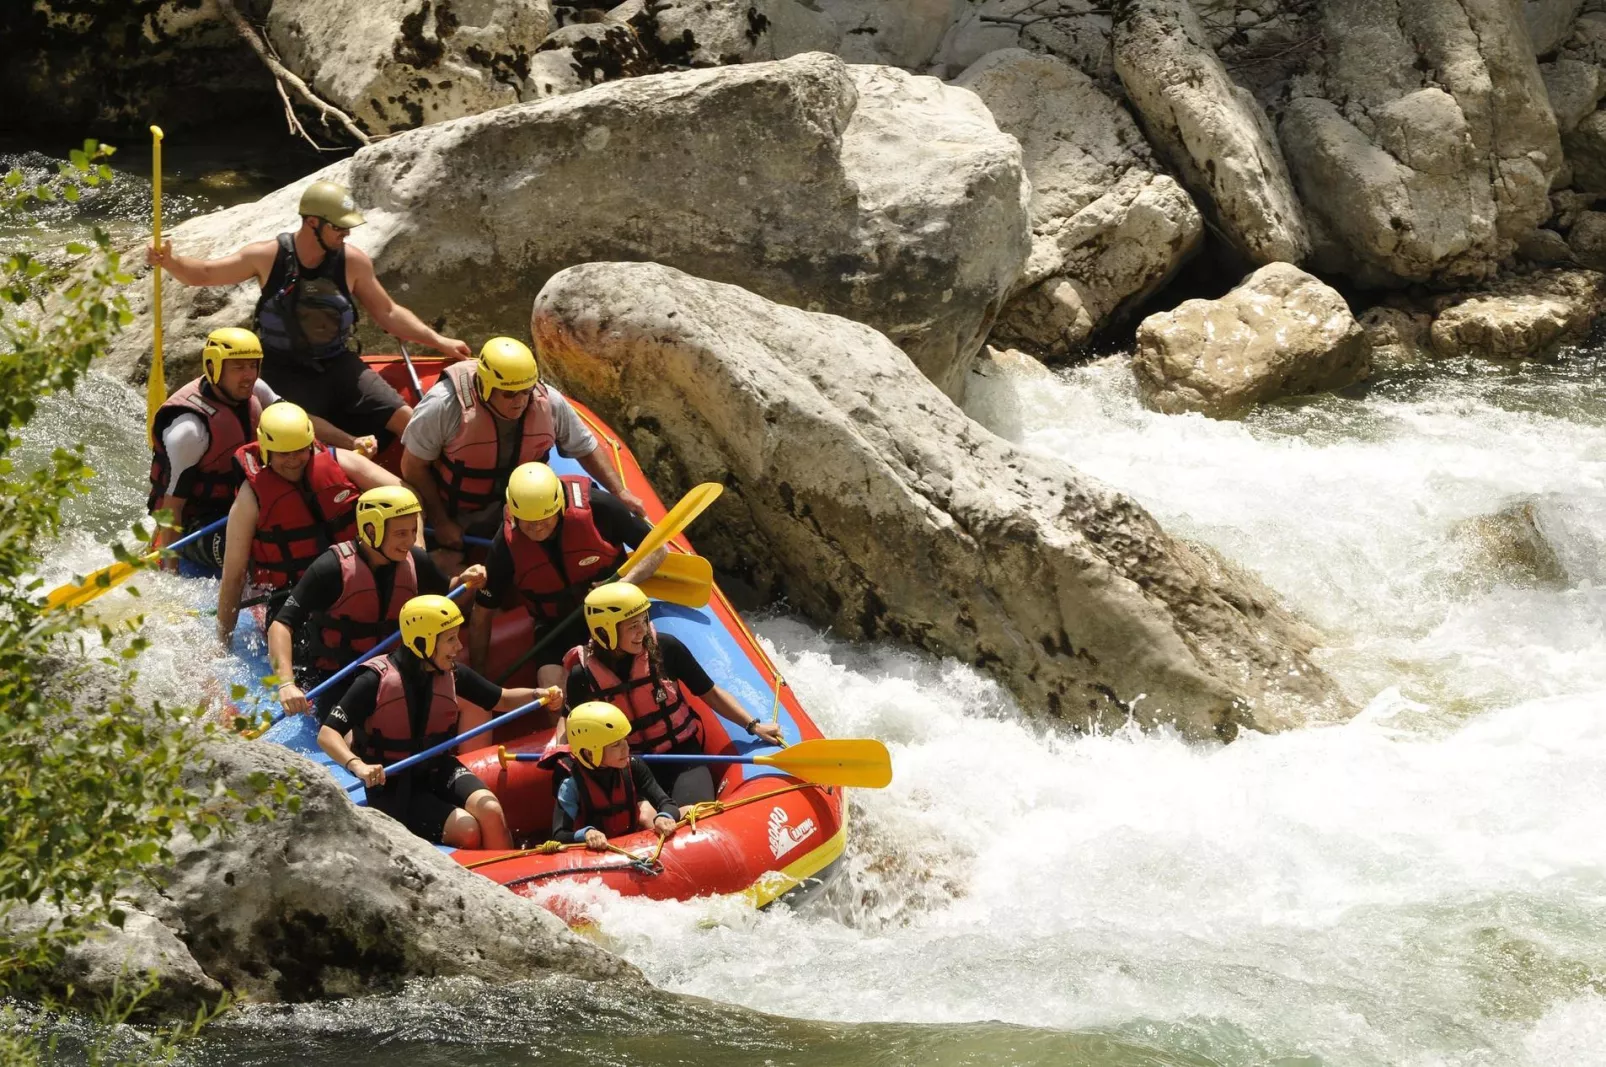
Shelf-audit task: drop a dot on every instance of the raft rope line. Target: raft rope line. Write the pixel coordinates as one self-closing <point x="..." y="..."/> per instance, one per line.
<point x="648" y="864"/>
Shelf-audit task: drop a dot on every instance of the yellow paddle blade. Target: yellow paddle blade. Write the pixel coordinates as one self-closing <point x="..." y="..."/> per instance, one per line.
<point x="861" y="762"/>
<point x="680" y="516"/>
<point x="684" y="580"/>
<point x="77" y="594"/>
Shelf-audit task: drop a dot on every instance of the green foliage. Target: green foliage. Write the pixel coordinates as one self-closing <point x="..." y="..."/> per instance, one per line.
<point x="92" y="781"/>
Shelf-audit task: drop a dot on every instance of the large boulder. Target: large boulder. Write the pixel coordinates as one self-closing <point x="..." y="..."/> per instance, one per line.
<point x="864" y="191"/>
<point x="68" y="68"/>
<point x="874" y="505"/>
<point x="1281" y="332"/>
<point x="586" y="54"/>
<point x="1421" y="138"/>
<point x="397" y="64"/>
<point x="1108" y="226"/>
<point x="334" y="900"/>
<point x="1210" y="130"/>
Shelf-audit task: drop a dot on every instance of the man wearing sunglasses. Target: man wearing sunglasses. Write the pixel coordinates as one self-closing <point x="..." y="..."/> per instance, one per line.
<point x="312" y="284"/>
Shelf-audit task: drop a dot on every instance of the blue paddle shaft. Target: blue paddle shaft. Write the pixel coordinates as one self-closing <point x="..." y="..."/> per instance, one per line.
<point x="210" y="527"/>
<point x="751" y="757"/>
<point x="384" y="646"/>
<point x="446" y="746"/>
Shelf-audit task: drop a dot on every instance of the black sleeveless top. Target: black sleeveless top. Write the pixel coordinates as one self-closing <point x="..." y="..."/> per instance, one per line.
<point x="306" y="314"/>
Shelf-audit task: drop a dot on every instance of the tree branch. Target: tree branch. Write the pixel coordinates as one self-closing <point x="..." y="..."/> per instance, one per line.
<point x="284" y="76"/>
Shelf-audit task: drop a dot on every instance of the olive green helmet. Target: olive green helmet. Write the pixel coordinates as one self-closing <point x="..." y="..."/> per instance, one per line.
<point x="331" y="202"/>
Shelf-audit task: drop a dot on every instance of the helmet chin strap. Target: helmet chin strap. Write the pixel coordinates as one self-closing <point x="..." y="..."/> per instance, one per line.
<point x="317" y="235"/>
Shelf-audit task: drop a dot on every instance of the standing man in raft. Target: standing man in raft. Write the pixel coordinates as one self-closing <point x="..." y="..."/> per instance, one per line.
<point x="312" y="282"/>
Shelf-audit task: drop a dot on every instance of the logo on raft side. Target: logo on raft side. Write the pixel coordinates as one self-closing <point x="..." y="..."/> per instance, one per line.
<point x="784" y="838"/>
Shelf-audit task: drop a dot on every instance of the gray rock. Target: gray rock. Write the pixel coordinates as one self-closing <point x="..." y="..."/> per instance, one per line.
<point x="1587" y="239"/>
<point x="398" y="64"/>
<point x="1399" y="335"/>
<point x="1077" y="31"/>
<point x="585" y="54"/>
<point x="1508" y="547"/>
<point x="1549" y="22"/>
<point x="113" y="962"/>
<point x="1421" y="138"/>
<point x="914" y="219"/>
<point x="1280" y="333"/>
<point x="1108" y="226"/>
<point x="1573" y="88"/>
<point x="1210" y="130"/>
<point x="1586" y="152"/>
<point x="1526" y="316"/>
<point x="337" y="900"/>
<point x="867" y="498"/>
<point x="710" y="33"/>
<point x="1544" y="247"/>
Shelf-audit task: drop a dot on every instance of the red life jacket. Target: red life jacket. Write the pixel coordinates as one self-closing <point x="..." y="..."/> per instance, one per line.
<point x="296" y="523"/>
<point x="468" y="470"/>
<point x="388" y="735"/>
<point x="207" y="488"/>
<point x="660" y="718"/>
<point x="354" y="623"/>
<point x="607" y="797"/>
<point x="548" y="591"/>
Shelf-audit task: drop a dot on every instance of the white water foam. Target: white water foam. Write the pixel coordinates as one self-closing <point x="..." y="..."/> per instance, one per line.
<point x="1423" y="885"/>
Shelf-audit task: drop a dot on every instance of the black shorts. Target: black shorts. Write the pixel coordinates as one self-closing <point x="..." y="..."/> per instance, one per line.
<point x="344" y="390"/>
<point x="423" y="803"/>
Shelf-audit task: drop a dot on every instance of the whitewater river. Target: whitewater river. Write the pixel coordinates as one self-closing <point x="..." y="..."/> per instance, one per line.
<point x="1425" y="885"/>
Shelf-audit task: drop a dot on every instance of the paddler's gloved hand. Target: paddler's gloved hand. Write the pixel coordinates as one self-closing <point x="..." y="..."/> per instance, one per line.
<point x="366" y="446"/>
<point x="596" y="840"/>
<point x="664" y="825"/>
<point x="552" y="697"/>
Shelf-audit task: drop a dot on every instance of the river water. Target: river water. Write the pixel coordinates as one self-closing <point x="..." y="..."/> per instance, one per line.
<point x="1422" y="886"/>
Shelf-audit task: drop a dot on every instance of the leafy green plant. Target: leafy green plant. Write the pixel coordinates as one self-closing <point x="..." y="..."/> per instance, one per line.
<point x="93" y="782"/>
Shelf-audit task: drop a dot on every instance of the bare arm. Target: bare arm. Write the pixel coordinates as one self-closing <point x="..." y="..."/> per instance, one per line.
<point x="365" y="472"/>
<point x="330" y="434"/>
<point x="479" y="637"/>
<point x="416" y="473"/>
<point x="242" y="530"/>
<point x="647" y="567"/>
<point x="596" y="464"/>
<point x="253" y="261"/>
<point x="166" y="535"/>
<point x="727" y="708"/>
<point x="391" y="316"/>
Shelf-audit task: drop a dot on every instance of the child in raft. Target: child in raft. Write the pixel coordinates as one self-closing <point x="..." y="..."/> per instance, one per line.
<point x="602" y="790"/>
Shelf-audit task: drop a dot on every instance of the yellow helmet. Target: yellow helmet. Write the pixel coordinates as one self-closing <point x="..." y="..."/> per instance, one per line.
<point x="331" y="202"/>
<point x="425" y="618"/>
<point x="378" y="506"/>
<point x="230" y="342"/>
<point x="534" y="492"/>
<point x="506" y="364"/>
<point x="609" y="605"/>
<point x="284" y="427"/>
<point x="593" y="726"/>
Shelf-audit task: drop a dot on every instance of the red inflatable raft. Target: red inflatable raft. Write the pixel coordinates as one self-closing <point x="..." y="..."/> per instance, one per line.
<point x="766" y="836"/>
